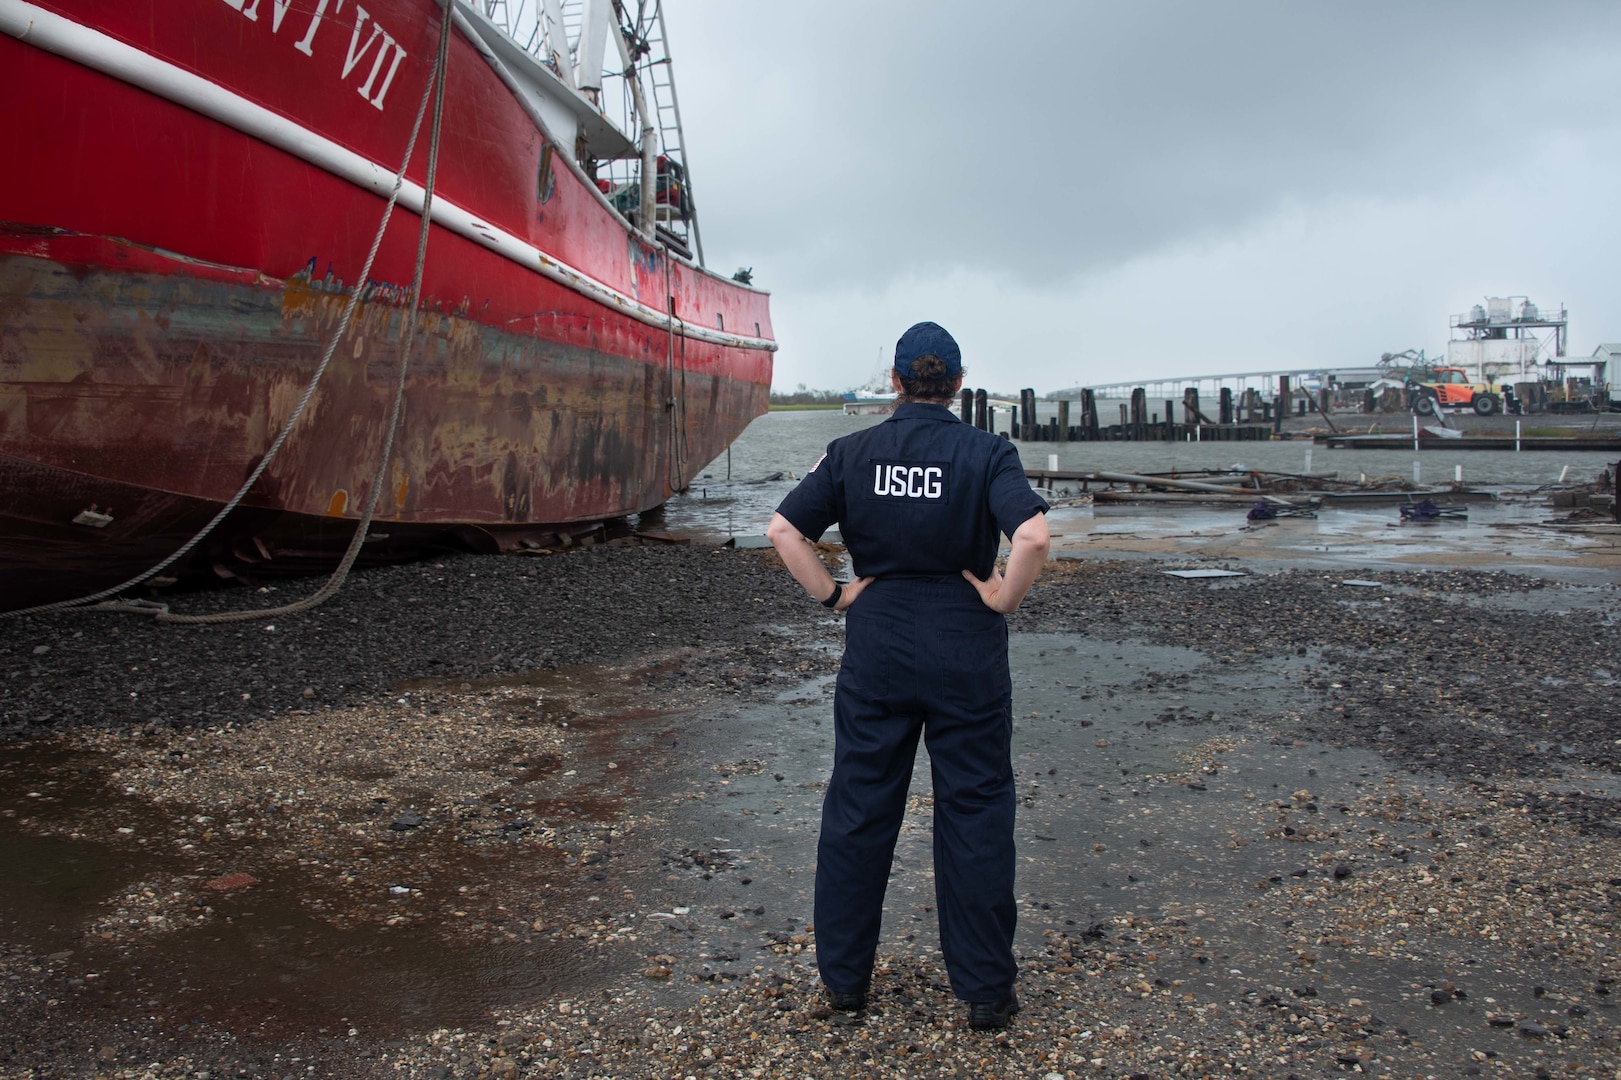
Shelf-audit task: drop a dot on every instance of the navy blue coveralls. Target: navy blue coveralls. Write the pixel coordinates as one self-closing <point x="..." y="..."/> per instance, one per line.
<point x="918" y="499"/>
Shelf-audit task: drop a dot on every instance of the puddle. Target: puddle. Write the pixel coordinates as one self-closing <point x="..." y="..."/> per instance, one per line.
<point x="262" y="965"/>
<point x="258" y="959"/>
<point x="444" y="877"/>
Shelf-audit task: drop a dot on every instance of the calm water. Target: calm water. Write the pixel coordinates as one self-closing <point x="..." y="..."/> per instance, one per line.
<point x="790" y="442"/>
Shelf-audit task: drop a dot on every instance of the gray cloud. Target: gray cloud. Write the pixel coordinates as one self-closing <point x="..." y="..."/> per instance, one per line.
<point x="858" y="143"/>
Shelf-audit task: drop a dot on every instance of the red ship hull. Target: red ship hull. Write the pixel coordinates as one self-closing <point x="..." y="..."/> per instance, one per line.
<point x="170" y="276"/>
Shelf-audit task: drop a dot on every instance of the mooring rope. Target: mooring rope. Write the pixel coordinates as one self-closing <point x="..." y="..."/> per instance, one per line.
<point x="433" y="91"/>
<point x="676" y="404"/>
<point x="408" y="341"/>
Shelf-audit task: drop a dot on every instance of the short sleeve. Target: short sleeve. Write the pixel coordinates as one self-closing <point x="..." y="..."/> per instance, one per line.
<point x="1012" y="500"/>
<point x="818" y="502"/>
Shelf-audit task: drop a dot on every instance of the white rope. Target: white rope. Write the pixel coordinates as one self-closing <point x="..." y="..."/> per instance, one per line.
<point x="676" y="404"/>
<point x="335" y="582"/>
<point x="362" y="283"/>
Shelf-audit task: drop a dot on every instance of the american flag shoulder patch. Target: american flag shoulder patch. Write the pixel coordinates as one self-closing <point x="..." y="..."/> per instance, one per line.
<point x="818" y="462"/>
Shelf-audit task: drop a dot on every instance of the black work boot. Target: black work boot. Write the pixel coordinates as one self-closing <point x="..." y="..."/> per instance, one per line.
<point x="992" y="1015"/>
<point x="854" y="1001"/>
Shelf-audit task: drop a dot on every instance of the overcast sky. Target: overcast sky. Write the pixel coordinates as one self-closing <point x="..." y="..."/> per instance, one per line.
<point x="1087" y="193"/>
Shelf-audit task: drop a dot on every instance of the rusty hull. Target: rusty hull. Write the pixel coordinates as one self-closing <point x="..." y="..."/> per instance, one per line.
<point x="147" y="393"/>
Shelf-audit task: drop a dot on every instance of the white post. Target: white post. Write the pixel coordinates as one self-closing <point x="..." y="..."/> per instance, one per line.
<point x="1563" y="473"/>
<point x="1415" y="432"/>
<point x="1417" y="470"/>
<point x="1308" y="461"/>
<point x="1457" y="474"/>
<point x="647" y="212"/>
<point x="593" y="42"/>
<point x="1052" y="462"/>
<point x="1516" y="436"/>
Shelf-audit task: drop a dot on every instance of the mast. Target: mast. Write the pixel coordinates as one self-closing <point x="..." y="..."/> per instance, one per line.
<point x="647" y="215"/>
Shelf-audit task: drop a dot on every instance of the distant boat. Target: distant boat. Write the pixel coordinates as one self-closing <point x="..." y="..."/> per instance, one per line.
<point x="190" y="192"/>
<point x="877" y="398"/>
<point x="869" y="405"/>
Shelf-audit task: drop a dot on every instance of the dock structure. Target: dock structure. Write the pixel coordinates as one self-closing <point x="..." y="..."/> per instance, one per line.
<point x="1248" y="416"/>
<point x="1239" y="488"/>
<point x="1505" y="342"/>
<point x="1234" y="383"/>
<point x="1426" y="439"/>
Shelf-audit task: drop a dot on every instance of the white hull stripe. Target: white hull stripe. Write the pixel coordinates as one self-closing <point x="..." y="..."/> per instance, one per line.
<point x="51" y="32"/>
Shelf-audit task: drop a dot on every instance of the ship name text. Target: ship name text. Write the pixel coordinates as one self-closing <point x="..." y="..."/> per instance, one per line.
<point x="386" y="58"/>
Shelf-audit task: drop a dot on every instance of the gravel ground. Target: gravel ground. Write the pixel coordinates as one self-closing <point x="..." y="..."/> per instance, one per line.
<point x="550" y="816"/>
<point x="468" y="617"/>
<point x="1465" y="672"/>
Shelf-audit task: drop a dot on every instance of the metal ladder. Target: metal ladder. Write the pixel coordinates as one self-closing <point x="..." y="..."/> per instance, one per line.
<point x="667" y="119"/>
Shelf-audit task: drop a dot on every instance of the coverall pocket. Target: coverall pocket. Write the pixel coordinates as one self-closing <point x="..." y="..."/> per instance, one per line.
<point x="869" y="640"/>
<point x="972" y="666"/>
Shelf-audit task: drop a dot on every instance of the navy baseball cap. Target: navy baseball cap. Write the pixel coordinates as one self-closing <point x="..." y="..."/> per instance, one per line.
<point x="927" y="339"/>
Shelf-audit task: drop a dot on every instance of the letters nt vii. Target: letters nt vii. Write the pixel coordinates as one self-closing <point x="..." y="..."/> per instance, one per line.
<point x="388" y="55"/>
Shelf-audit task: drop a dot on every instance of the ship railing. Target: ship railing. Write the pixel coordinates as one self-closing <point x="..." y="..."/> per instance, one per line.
<point x="1520" y="315"/>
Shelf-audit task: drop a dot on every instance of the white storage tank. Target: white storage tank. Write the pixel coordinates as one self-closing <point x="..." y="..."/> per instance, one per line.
<point x="1495" y="360"/>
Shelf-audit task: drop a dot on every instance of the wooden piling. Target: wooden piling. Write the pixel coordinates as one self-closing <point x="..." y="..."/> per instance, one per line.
<point x="1063" y="421"/>
<point x="981" y="420"/>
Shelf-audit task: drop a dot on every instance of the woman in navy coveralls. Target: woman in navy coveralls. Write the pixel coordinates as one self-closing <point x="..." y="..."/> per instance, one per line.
<point x="921" y="500"/>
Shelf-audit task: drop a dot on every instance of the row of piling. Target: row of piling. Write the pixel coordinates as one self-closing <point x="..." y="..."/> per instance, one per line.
<point x="1243" y="417"/>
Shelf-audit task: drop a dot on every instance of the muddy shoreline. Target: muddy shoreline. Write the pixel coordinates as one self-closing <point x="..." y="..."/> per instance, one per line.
<point x="555" y="817"/>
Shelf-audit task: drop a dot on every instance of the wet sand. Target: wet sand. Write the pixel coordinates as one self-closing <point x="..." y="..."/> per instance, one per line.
<point x="556" y="817"/>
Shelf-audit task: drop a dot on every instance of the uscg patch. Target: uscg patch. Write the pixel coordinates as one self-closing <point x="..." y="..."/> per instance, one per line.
<point x="912" y="481"/>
